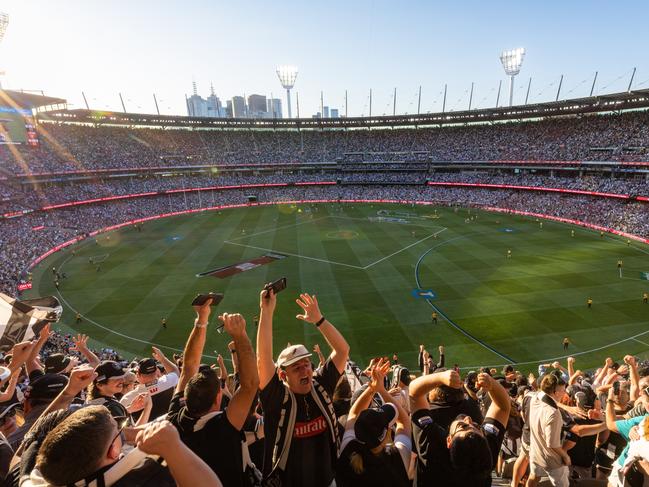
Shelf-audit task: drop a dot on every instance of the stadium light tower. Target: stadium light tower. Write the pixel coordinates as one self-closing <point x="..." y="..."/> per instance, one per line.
<point x="287" y="76"/>
<point x="512" y="61"/>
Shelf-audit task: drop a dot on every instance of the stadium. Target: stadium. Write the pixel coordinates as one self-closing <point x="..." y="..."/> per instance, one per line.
<point x="507" y="241"/>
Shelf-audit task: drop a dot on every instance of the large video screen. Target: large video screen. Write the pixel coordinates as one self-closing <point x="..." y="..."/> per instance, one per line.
<point x="17" y="127"/>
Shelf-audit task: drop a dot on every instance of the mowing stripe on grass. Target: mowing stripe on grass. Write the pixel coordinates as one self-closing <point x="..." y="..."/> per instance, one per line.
<point x="453" y="324"/>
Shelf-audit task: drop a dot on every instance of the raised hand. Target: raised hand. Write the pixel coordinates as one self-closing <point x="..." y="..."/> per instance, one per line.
<point x="20" y="352"/>
<point x="203" y="311"/>
<point x="157" y="354"/>
<point x="80" y="378"/>
<point x="452" y="379"/>
<point x="379" y="371"/>
<point x="630" y="360"/>
<point x="233" y="324"/>
<point x="485" y="382"/>
<point x="159" y="438"/>
<point x="267" y="300"/>
<point x="80" y="343"/>
<point x="311" y="310"/>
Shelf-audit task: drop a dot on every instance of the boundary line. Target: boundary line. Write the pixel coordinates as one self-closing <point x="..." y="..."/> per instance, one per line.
<point x="89" y="320"/>
<point x="444" y="315"/>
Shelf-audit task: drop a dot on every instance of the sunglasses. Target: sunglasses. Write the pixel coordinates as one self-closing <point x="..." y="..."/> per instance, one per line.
<point x="121" y="421"/>
<point x="461" y="425"/>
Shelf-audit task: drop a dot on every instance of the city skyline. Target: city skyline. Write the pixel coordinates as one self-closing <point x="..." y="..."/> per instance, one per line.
<point x="105" y="49"/>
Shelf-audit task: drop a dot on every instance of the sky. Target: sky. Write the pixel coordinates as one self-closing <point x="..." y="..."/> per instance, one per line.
<point x="141" y="47"/>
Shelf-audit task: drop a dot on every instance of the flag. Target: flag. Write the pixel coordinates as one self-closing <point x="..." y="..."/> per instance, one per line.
<point x="21" y="320"/>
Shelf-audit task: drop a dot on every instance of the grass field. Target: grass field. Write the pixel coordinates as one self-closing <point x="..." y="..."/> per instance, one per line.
<point x="364" y="267"/>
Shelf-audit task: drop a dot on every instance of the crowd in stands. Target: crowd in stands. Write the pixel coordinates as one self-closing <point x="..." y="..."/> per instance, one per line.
<point x="27" y="196"/>
<point x="71" y="415"/>
<point x="74" y="147"/>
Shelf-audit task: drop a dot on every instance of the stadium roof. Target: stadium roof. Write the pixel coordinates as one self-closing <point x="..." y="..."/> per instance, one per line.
<point x="615" y="102"/>
<point x="21" y="99"/>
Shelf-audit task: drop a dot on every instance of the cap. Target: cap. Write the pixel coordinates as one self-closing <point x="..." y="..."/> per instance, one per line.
<point x="6" y="409"/>
<point x="372" y="424"/>
<point x="146" y="366"/>
<point x="109" y="369"/>
<point x="47" y="387"/>
<point x="56" y="363"/>
<point x="292" y="354"/>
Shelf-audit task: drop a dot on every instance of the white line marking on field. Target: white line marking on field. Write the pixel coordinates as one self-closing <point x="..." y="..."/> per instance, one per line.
<point x="279" y="228"/>
<point x="405" y="248"/>
<point x="640" y="341"/>
<point x="295" y="255"/>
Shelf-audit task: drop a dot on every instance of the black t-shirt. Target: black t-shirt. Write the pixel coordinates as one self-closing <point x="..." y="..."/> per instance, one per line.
<point x="583" y="453"/>
<point x="310" y="459"/>
<point x="217" y="442"/>
<point x="385" y="469"/>
<point x="445" y="413"/>
<point x="6" y="453"/>
<point x="434" y="463"/>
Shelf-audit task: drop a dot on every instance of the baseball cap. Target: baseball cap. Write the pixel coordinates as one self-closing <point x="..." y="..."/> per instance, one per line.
<point x="292" y="354"/>
<point x="146" y="366"/>
<point x="372" y="424"/>
<point x="109" y="369"/>
<point x="56" y="363"/>
<point x="47" y="387"/>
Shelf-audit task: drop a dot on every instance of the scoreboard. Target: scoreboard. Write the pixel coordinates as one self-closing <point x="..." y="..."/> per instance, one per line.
<point x="17" y="126"/>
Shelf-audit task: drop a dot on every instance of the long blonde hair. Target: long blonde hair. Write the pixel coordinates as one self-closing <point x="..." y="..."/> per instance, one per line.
<point x="356" y="458"/>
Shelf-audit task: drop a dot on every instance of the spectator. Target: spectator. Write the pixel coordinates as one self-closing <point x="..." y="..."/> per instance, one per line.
<point x="160" y="387"/>
<point x="547" y="456"/>
<point x="466" y="452"/>
<point x="97" y="440"/>
<point x="300" y="427"/>
<point x="215" y="436"/>
<point x="368" y="454"/>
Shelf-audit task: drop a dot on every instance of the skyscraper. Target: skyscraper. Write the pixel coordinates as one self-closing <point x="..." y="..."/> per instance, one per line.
<point x="257" y="106"/>
<point x="239" y="109"/>
<point x="274" y="107"/>
<point x="213" y="105"/>
<point x="196" y="106"/>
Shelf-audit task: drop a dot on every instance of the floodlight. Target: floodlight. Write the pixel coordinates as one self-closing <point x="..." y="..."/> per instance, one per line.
<point x="4" y="21"/>
<point x="512" y="61"/>
<point x="287" y="76"/>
